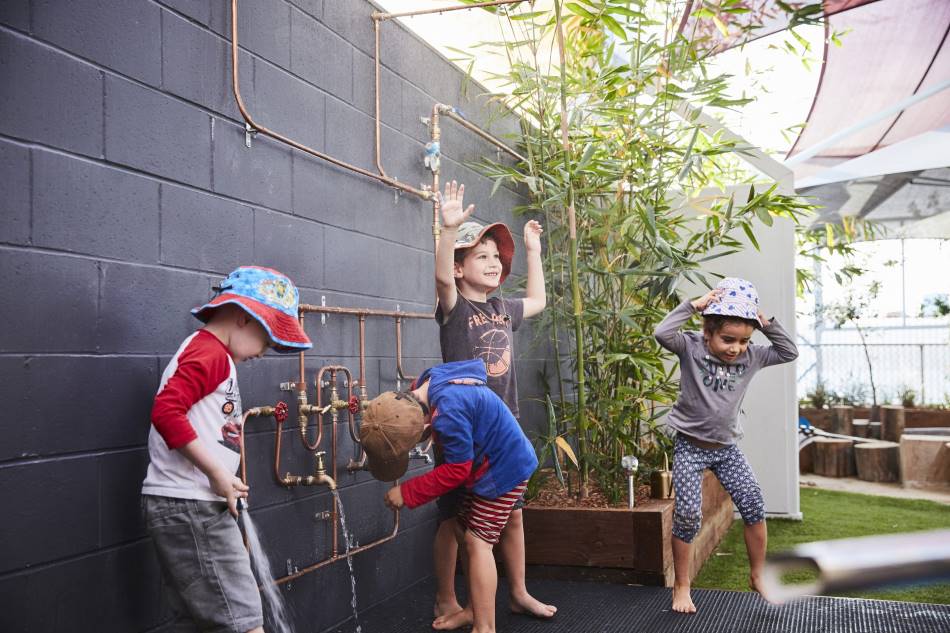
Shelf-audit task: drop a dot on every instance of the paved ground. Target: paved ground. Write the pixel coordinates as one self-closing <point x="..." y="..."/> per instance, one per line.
<point x="586" y="607"/>
<point x="851" y="484"/>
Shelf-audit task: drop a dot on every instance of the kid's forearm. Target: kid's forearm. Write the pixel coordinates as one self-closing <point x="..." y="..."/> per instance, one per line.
<point x="535" y="294"/>
<point x="667" y="331"/>
<point x="445" y="261"/>
<point x="196" y="453"/>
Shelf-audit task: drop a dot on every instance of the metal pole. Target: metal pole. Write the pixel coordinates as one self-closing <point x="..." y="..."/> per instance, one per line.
<point x="922" y="374"/>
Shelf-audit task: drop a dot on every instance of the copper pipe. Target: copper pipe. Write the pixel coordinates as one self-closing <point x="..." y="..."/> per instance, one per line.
<point x="363" y="394"/>
<point x="379" y="159"/>
<point x="435" y="132"/>
<point x="336" y="557"/>
<point x="400" y="374"/>
<point x="306" y="307"/>
<point x="256" y="127"/>
<point x="261" y="411"/>
<point x="389" y="16"/>
<point x="450" y="112"/>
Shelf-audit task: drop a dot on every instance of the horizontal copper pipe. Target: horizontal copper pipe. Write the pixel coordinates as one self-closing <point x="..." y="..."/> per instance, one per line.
<point x="336" y="557"/>
<point x="425" y="195"/>
<point x="306" y="307"/>
<point x="495" y="3"/>
<point x="450" y="112"/>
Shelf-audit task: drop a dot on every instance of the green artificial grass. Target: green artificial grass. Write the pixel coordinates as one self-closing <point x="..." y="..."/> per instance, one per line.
<point x="832" y="515"/>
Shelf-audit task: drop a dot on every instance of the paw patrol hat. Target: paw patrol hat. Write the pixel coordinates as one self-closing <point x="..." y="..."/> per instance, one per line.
<point x="268" y="296"/>
<point x="739" y="298"/>
<point x="471" y="233"/>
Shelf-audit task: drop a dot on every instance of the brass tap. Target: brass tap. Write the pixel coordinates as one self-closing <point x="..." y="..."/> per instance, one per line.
<point x="321" y="476"/>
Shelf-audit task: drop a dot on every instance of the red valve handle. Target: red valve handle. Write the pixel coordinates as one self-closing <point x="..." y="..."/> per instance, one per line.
<point x="281" y="411"/>
<point x="354" y="405"/>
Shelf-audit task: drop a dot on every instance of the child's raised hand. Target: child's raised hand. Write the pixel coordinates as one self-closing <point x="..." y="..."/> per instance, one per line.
<point x="703" y="302"/>
<point x="393" y="498"/>
<point x="532" y="236"/>
<point x="763" y="320"/>
<point x="451" y="205"/>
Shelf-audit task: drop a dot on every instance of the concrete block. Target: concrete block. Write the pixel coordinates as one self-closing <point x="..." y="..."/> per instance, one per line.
<point x="67" y="404"/>
<point x="205" y="232"/>
<point x="14" y="194"/>
<point x="320" y="56"/>
<point x="121" y="35"/>
<point x="263" y="28"/>
<point x="97" y="209"/>
<point x="416" y="104"/>
<point x="353" y="22"/>
<point x="351" y="135"/>
<point x="402" y="157"/>
<point x="157" y="134"/>
<point x="405" y="274"/>
<point x="925" y="461"/>
<point x="131" y="572"/>
<point x="292" y="245"/>
<point x="390" y="91"/>
<point x="259" y="174"/>
<point x="313" y="8"/>
<point x="49" y="303"/>
<point x="289" y="106"/>
<point x="147" y="310"/>
<point x="38" y="498"/>
<point x="197" y="66"/>
<point x="16" y="13"/>
<point x="200" y="11"/>
<point x="352" y="262"/>
<point x="58" y="100"/>
<point x="120" y="489"/>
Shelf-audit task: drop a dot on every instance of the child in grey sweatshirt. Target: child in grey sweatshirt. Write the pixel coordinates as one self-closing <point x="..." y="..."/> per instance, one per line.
<point x="716" y="366"/>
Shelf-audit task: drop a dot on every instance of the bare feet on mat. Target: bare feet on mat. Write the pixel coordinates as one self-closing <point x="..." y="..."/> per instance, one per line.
<point x="682" y="602"/>
<point x="529" y="605"/>
<point x="453" y="620"/>
<point x="755" y="584"/>
<point x="448" y="607"/>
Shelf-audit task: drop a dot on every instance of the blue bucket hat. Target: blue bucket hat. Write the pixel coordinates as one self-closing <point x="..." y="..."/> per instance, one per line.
<point x="268" y="296"/>
<point x="739" y="298"/>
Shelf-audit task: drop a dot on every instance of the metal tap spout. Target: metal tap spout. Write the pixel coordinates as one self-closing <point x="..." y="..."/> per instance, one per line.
<point x="321" y="478"/>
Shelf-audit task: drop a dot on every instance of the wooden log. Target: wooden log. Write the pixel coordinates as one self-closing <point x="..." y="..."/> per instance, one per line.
<point x="860" y="428"/>
<point x="892" y="423"/>
<point x="874" y="430"/>
<point x="834" y="457"/>
<point x="877" y="461"/>
<point x="842" y="419"/>
<point x="806" y="459"/>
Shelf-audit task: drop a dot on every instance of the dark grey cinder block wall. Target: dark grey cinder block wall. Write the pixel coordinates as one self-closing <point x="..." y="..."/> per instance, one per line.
<point x="127" y="192"/>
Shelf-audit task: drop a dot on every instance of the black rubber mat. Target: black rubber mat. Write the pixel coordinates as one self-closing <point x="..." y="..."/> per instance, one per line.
<point x="585" y="607"/>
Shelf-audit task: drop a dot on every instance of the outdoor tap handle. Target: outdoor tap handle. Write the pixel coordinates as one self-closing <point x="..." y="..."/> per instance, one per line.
<point x="321" y="469"/>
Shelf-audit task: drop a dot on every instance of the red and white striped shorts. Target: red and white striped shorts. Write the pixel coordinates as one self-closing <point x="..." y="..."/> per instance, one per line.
<point x="486" y="518"/>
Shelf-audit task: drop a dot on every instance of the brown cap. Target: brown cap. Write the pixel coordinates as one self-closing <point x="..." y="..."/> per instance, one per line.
<point x="393" y="423"/>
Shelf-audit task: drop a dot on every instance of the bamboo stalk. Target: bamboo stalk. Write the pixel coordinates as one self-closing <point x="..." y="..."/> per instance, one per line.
<point x="581" y="413"/>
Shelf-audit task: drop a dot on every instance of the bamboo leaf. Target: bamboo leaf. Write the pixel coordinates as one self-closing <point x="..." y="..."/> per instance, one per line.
<point x="567" y="450"/>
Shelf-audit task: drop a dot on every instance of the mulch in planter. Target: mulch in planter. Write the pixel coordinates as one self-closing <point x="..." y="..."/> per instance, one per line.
<point x="553" y="495"/>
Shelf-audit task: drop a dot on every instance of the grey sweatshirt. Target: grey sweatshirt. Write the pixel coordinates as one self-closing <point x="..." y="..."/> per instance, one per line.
<point x="711" y="390"/>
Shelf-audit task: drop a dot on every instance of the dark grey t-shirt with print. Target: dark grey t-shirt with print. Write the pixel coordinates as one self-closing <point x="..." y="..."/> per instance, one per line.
<point x="485" y="330"/>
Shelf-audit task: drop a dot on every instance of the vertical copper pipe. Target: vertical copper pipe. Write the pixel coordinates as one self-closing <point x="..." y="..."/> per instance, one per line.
<point x="364" y="395"/>
<point x="301" y="381"/>
<point x="379" y="160"/>
<point x="435" y="133"/>
<point x="336" y="497"/>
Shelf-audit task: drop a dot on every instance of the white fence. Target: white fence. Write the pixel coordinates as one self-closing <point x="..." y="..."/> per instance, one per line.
<point x="843" y="369"/>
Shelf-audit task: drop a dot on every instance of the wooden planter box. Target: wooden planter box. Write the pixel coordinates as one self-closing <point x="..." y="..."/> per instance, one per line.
<point x="618" y="544"/>
<point x="913" y="418"/>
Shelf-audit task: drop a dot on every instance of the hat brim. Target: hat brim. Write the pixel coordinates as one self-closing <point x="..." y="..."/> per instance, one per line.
<point x="503" y="239"/>
<point x="388" y="470"/>
<point x="284" y="331"/>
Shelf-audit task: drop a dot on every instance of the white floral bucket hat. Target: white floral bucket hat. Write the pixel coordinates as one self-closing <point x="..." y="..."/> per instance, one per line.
<point x="739" y="298"/>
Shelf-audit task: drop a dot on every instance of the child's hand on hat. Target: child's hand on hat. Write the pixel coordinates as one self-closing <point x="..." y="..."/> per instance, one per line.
<point x="532" y="236"/>
<point x="710" y="297"/>
<point x="451" y="204"/>
<point x="763" y="320"/>
<point x="393" y="498"/>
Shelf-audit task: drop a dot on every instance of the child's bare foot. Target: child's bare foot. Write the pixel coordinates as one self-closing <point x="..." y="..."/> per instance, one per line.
<point x="529" y="605"/>
<point x="447" y="607"/>
<point x="455" y="620"/>
<point x="682" y="602"/>
<point x="755" y="584"/>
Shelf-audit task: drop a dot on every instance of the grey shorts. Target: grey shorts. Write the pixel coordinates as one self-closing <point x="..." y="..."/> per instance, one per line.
<point x="207" y="571"/>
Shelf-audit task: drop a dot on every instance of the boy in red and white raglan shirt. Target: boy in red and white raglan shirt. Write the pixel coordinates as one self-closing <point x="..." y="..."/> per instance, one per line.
<point x="190" y="491"/>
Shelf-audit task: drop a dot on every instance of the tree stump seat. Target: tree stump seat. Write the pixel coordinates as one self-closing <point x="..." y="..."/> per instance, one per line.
<point x="834" y="457"/>
<point x="877" y="461"/>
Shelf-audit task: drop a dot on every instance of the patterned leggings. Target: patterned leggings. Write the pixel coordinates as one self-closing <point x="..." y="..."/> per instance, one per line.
<point x="734" y="473"/>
